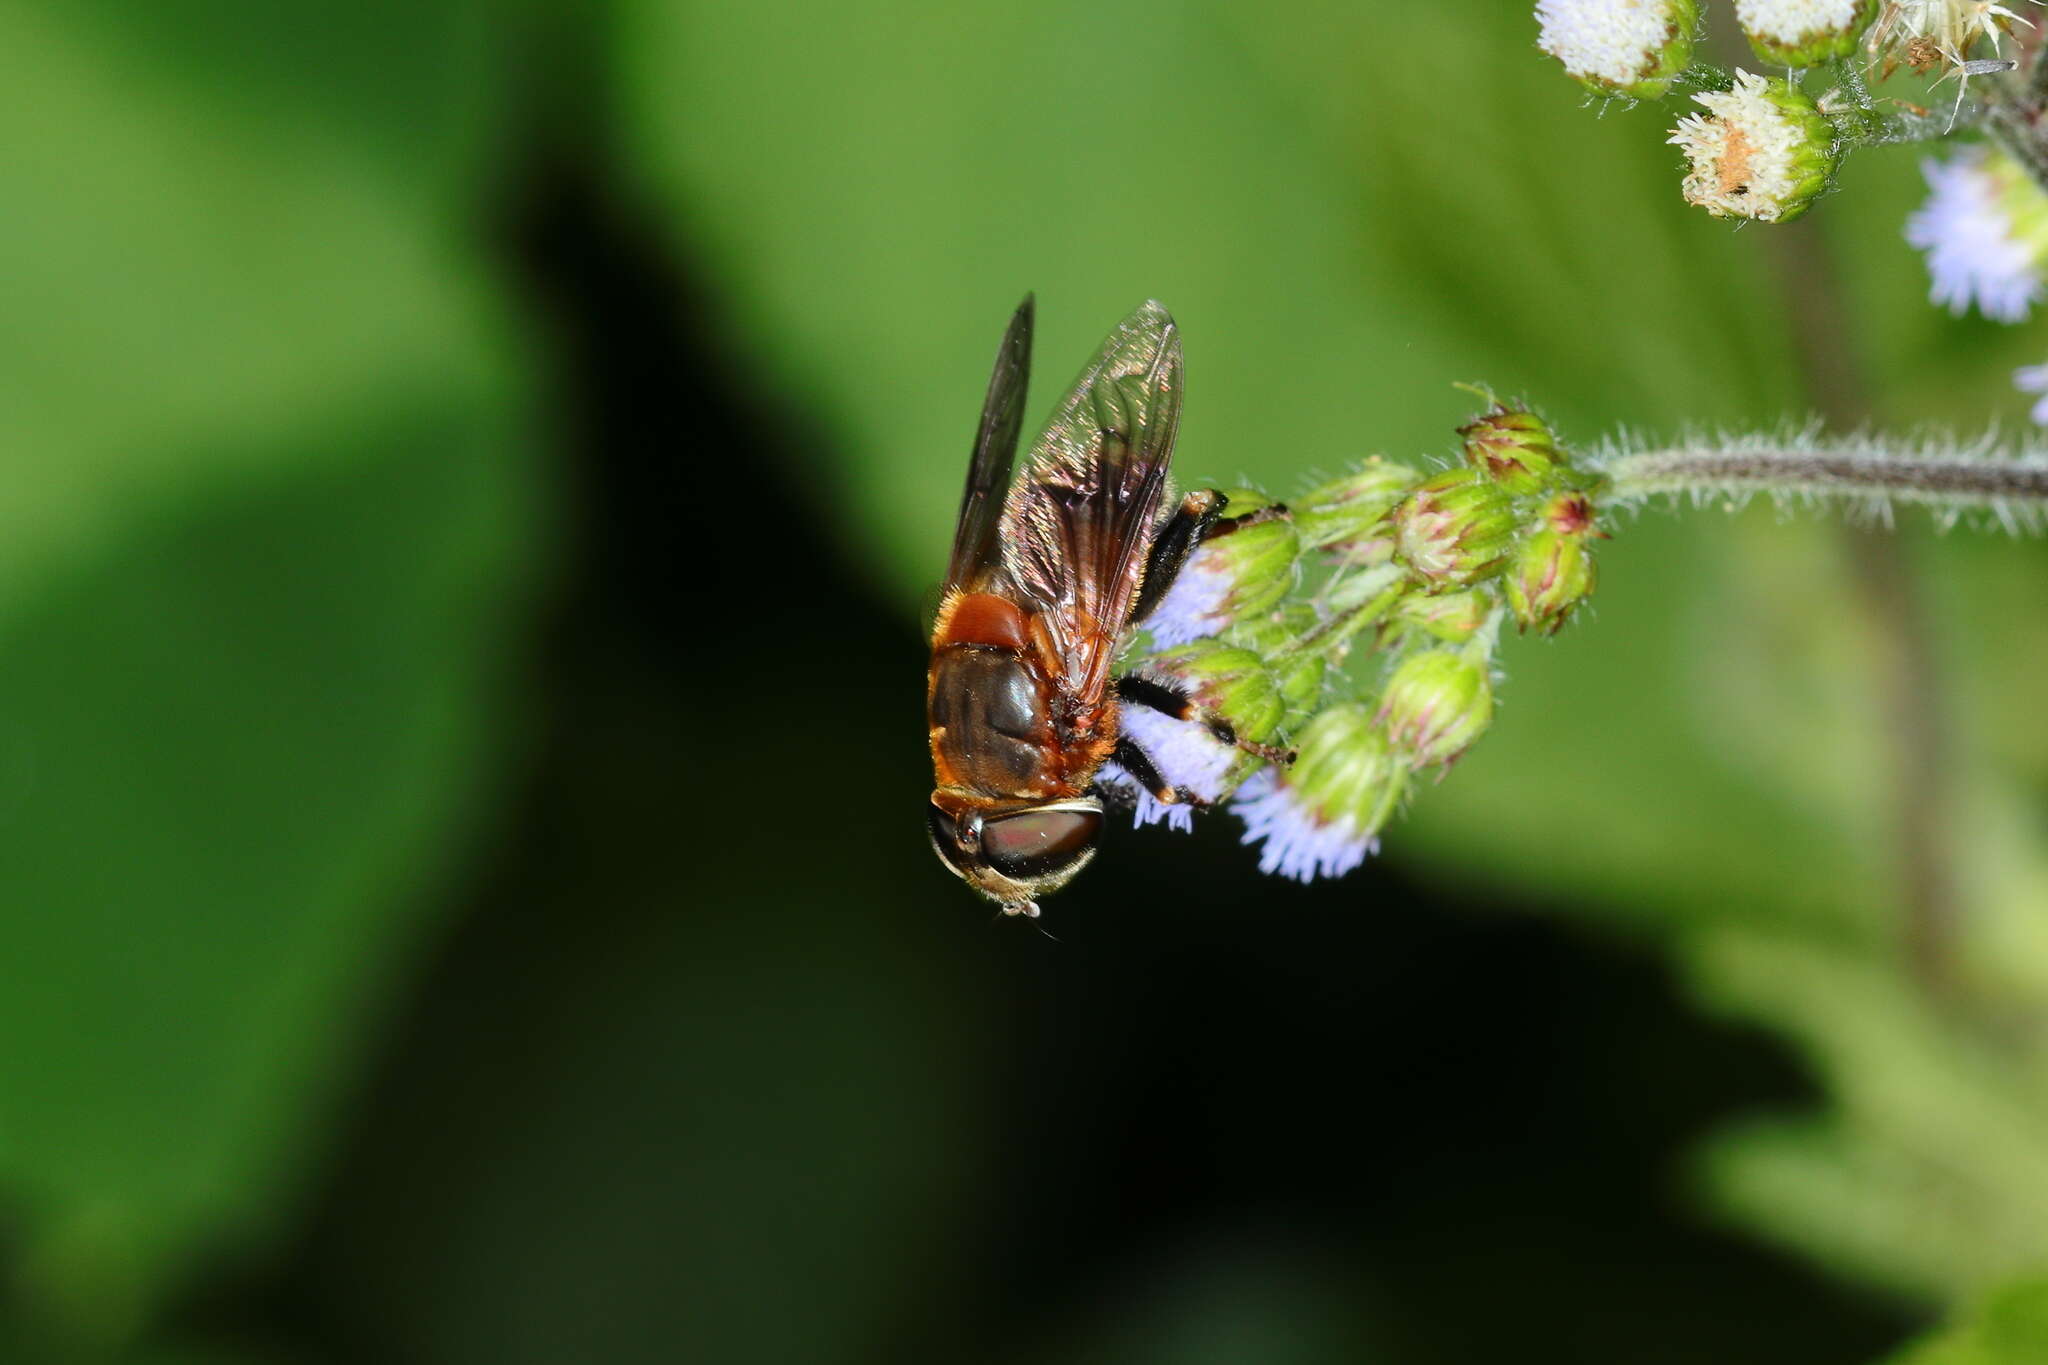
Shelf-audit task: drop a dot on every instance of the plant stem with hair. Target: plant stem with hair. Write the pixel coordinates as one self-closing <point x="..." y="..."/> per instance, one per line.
<point x="2016" y="488"/>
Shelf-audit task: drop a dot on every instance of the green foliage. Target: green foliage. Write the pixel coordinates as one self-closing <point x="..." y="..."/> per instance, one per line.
<point x="265" y="488"/>
<point x="2009" y="1328"/>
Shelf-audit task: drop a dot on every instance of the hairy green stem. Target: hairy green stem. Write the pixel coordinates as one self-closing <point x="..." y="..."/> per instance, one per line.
<point x="1333" y="636"/>
<point x="1865" y="126"/>
<point x="1962" y="482"/>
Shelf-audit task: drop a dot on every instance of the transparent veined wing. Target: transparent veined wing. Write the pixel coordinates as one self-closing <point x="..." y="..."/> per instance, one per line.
<point x="1082" y="514"/>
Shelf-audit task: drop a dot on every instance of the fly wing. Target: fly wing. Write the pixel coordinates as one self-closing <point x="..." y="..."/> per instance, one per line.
<point x="1078" y="524"/>
<point x="976" y="547"/>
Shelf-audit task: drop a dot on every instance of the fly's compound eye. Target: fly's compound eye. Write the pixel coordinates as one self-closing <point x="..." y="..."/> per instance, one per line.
<point x="1040" y="843"/>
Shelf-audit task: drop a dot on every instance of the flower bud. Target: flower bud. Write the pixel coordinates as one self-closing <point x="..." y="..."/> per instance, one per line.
<point x="1570" y="514"/>
<point x="1455" y="528"/>
<point x="1453" y="617"/>
<point x="1322" y="816"/>
<point x="1301" y="678"/>
<point x="1803" y="33"/>
<point x="1348" y="516"/>
<point x="1620" y="47"/>
<point x="1762" y="151"/>
<point x="1514" y="447"/>
<point x="1297" y="674"/>
<point x="1435" y="705"/>
<point x="1551" y="575"/>
<point x="1243" y="567"/>
<point x="1232" y="684"/>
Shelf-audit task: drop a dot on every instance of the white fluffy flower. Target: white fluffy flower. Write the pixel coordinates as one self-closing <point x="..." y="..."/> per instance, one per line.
<point x="1790" y="20"/>
<point x="2034" y="379"/>
<point x="1616" y="44"/>
<point x="1976" y="252"/>
<point x="1759" y="151"/>
<point x="1803" y="33"/>
<point x="1300" y="842"/>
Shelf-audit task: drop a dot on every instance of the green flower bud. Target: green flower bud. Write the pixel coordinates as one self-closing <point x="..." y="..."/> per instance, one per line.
<point x="1348" y="516"/>
<point x="1299" y="676"/>
<point x="1551" y="575"/>
<point x="1455" y="528"/>
<point x="1230" y="683"/>
<point x="1453" y="617"/>
<point x="1762" y="150"/>
<point x="1514" y="447"/>
<point x="1570" y="514"/>
<point x="1322" y="816"/>
<point x="1635" y="48"/>
<point x="1242" y="569"/>
<point x="1804" y="33"/>
<point x="1435" y="705"/>
<point x="1256" y="543"/>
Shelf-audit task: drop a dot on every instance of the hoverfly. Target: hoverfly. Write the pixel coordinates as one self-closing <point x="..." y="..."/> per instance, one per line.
<point x="1047" y="575"/>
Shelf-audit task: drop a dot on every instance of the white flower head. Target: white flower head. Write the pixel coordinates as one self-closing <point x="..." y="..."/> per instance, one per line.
<point x="1761" y="150"/>
<point x="1802" y="33"/>
<point x="1984" y="228"/>
<point x="1620" y="47"/>
<point x="2034" y="379"/>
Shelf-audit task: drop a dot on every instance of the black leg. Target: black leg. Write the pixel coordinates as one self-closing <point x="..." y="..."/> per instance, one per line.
<point x="1135" y="761"/>
<point x="1171" y="701"/>
<point x="1170" y="548"/>
<point x="1164" y="698"/>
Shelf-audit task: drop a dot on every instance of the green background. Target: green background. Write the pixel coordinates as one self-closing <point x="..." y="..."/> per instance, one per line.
<point x="315" y="733"/>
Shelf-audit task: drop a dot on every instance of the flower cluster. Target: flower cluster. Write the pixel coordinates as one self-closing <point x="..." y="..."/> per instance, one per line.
<point x="1766" y="148"/>
<point x="1240" y="699"/>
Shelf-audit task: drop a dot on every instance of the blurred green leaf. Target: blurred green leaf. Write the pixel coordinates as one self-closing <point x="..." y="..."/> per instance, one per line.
<point x="1339" y="240"/>
<point x="266" y="489"/>
<point x="2009" y="1328"/>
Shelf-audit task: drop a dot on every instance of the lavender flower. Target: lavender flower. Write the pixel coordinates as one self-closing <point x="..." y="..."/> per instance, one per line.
<point x="1196" y="606"/>
<point x="1242" y="569"/>
<point x="1323" y="816"/>
<point x="1984" y="228"/>
<point x="1187" y="757"/>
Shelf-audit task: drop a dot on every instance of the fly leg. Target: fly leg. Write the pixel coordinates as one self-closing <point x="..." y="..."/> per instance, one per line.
<point x="1135" y="761"/>
<point x="1169" y="700"/>
<point x="1185" y="529"/>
